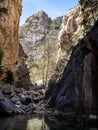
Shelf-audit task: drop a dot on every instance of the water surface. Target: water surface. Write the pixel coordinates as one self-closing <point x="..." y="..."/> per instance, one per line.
<point x="38" y="123"/>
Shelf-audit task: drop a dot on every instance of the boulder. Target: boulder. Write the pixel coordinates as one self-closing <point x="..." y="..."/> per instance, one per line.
<point x="25" y="99"/>
<point x="7" y="107"/>
<point x="18" y="90"/>
<point x="6" y="89"/>
<point x="16" y="100"/>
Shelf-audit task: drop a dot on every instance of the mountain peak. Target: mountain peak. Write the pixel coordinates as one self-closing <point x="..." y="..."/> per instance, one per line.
<point x="41" y="12"/>
<point x="39" y="15"/>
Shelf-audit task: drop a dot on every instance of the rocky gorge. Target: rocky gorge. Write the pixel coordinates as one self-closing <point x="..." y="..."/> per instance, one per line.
<point x="72" y="89"/>
<point x="39" y="39"/>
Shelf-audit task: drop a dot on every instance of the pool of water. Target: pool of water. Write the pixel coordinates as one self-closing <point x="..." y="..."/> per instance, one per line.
<point x="38" y="123"/>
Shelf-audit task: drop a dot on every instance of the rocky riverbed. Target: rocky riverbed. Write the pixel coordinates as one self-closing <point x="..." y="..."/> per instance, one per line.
<point x="17" y="100"/>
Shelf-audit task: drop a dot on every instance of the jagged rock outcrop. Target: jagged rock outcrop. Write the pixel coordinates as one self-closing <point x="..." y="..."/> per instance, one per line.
<point x="71" y="30"/>
<point x="76" y="91"/>
<point x="33" y="31"/>
<point x="10" y="12"/>
<point x="36" y="29"/>
<point x="36" y="36"/>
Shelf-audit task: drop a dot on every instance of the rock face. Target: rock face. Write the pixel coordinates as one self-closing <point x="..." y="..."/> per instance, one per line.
<point x="71" y="30"/>
<point x="13" y="55"/>
<point x="76" y="91"/>
<point x="10" y="12"/>
<point x="33" y="31"/>
<point x="37" y="34"/>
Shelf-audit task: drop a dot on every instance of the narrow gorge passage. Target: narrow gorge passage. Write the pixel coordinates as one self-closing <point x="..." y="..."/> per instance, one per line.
<point x="48" y="65"/>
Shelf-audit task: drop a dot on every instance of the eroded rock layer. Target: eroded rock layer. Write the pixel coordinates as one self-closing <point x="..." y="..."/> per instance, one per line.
<point x="76" y="90"/>
<point x="10" y="11"/>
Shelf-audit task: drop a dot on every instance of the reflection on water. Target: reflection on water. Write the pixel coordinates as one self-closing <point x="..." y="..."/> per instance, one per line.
<point x="37" y="123"/>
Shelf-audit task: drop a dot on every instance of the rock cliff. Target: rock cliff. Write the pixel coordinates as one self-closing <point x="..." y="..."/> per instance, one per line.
<point x="34" y="30"/>
<point x="39" y="38"/>
<point x="75" y="90"/>
<point x="12" y="58"/>
<point x="10" y="12"/>
<point x="71" y="30"/>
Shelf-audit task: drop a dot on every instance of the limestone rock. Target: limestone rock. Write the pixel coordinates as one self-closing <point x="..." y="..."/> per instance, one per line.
<point x="13" y="55"/>
<point x="35" y="35"/>
<point x="71" y="30"/>
<point x="76" y="89"/>
<point x="34" y="30"/>
<point x="10" y="12"/>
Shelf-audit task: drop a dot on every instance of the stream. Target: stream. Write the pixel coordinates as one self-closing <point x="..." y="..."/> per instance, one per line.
<point x="23" y="122"/>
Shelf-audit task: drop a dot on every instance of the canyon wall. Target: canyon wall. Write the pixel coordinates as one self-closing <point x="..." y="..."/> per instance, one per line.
<point x="75" y="90"/>
<point x="10" y="12"/>
<point x="71" y="30"/>
<point x="13" y="56"/>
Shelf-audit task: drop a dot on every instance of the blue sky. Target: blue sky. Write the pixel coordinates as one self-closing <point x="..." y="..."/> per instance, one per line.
<point x="53" y="8"/>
